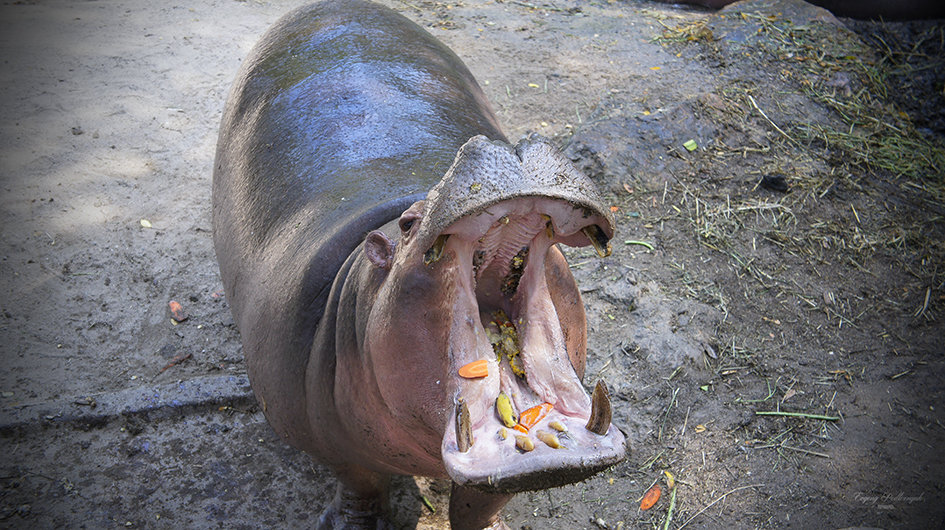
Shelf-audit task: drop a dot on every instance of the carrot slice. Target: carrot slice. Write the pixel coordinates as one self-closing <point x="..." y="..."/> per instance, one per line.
<point x="530" y="417"/>
<point x="521" y="428"/>
<point x="177" y="311"/>
<point x="475" y="369"/>
<point x="650" y="497"/>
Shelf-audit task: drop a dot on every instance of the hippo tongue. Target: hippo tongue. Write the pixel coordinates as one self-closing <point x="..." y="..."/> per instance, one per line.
<point x="503" y="313"/>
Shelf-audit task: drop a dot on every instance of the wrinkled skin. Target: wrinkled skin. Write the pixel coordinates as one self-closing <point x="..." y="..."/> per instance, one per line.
<point x="375" y="233"/>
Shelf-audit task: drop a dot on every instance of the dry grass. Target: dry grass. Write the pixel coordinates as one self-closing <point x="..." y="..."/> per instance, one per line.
<point x="864" y="136"/>
<point x="690" y="31"/>
<point x="847" y="77"/>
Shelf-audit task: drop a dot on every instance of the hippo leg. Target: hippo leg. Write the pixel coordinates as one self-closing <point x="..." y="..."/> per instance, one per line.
<point x="361" y="501"/>
<point x="471" y="509"/>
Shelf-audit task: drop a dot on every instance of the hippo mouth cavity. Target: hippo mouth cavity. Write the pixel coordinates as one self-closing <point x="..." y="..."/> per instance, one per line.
<point x="522" y="420"/>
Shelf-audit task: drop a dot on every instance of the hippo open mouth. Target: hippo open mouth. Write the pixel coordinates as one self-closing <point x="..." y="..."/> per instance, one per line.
<point x="522" y="419"/>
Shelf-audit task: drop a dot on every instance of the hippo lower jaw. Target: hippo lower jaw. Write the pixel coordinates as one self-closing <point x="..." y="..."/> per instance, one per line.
<point x="498" y="465"/>
<point x="504" y="314"/>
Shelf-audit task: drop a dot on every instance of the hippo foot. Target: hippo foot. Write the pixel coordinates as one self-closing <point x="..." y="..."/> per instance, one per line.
<point x="357" y="509"/>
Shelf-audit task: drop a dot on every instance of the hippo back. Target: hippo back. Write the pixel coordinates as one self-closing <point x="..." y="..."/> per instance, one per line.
<point x="326" y="135"/>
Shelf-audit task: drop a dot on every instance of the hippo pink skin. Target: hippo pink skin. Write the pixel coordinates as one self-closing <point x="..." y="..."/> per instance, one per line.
<point x="864" y="9"/>
<point x="370" y="222"/>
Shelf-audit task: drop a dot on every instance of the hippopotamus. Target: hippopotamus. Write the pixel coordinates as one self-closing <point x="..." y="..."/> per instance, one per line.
<point x="392" y="264"/>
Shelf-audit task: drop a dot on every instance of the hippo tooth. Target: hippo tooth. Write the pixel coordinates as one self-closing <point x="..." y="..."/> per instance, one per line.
<point x="550" y="439"/>
<point x="464" y="439"/>
<point x="436" y="251"/>
<point x="524" y="442"/>
<point x="598" y="239"/>
<point x="558" y="426"/>
<point x="601" y="413"/>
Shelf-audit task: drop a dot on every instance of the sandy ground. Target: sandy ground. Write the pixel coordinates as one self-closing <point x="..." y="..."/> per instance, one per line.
<point x="824" y="300"/>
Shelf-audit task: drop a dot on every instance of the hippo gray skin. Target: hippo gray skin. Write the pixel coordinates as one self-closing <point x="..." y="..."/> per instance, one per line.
<point x="376" y="234"/>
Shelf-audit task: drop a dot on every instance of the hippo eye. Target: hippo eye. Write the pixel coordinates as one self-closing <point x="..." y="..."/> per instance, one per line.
<point x="406" y="224"/>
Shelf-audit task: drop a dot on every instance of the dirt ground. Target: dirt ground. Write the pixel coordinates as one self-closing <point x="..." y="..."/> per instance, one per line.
<point x="779" y="183"/>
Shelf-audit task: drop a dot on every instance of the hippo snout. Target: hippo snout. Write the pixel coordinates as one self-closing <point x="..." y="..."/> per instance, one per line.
<point x="522" y="420"/>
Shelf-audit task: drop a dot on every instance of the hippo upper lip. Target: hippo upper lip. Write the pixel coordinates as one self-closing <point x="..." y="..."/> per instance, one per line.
<point x="487" y="172"/>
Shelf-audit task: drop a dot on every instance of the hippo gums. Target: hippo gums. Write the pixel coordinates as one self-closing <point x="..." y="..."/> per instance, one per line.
<point x="392" y="265"/>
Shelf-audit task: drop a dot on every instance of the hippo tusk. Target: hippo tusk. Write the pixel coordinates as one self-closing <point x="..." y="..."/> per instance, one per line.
<point x="598" y="239"/>
<point x="601" y="412"/>
<point x="464" y="439"/>
<point x="436" y="251"/>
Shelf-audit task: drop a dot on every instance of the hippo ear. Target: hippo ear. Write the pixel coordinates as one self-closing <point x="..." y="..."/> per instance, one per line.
<point x="379" y="249"/>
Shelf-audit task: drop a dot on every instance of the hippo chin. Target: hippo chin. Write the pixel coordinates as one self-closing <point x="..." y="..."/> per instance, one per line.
<point x="392" y="265"/>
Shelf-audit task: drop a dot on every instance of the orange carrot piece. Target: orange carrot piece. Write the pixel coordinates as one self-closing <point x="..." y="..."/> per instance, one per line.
<point x="177" y="311"/>
<point x="530" y="417"/>
<point x="521" y="428"/>
<point x="475" y="369"/>
<point x="650" y="497"/>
